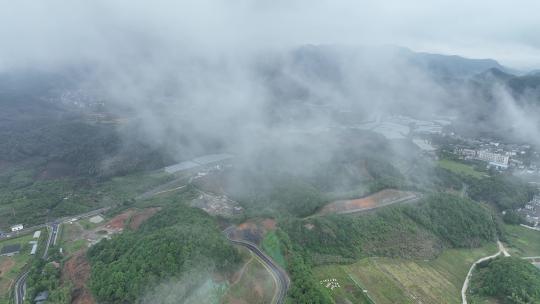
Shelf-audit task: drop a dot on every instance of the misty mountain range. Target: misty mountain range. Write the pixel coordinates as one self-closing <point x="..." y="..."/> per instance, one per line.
<point x="299" y="87"/>
<point x="322" y="63"/>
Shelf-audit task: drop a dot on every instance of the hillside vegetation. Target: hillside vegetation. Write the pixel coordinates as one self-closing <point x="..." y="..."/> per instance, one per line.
<point x="419" y="230"/>
<point x="168" y="245"/>
<point x="509" y="279"/>
<point x="505" y="192"/>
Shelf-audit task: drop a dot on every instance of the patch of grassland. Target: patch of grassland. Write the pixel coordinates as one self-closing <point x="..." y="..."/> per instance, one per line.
<point x="522" y="241"/>
<point x="459" y="168"/>
<point x="272" y="246"/>
<point x="70" y="232"/>
<point x="70" y="238"/>
<point x="23" y="240"/>
<point x="256" y="285"/>
<point x="410" y="281"/>
<point x="475" y="299"/>
<point x="87" y="225"/>
<point x="72" y="247"/>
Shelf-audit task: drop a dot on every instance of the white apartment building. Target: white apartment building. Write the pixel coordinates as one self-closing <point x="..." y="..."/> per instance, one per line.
<point x="495" y="159"/>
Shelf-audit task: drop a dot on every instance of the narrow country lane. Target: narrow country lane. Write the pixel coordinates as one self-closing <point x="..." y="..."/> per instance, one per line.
<point x="502" y="250"/>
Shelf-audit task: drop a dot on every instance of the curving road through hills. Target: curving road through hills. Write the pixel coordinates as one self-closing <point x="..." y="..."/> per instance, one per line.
<point x="20" y="286"/>
<point x="280" y="276"/>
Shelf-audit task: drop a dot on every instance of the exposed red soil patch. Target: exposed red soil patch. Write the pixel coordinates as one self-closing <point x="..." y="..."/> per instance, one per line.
<point x="254" y="230"/>
<point x="119" y="222"/>
<point x="6" y="265"/>
<point x="377" y="199"/>
<point x="269" y="224"/>
<point x="142" y="216"/>
<point x="77" y="272"/>
<point x="249" y="231"/>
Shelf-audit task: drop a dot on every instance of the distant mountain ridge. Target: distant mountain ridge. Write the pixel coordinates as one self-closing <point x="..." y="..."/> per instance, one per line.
<point x="441" y="65"/>
<point x="453" y="65"/>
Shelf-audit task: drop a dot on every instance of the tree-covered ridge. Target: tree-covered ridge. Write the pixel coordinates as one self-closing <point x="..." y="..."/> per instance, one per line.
<point x="505" y="192"/>
<point x="460" y="222"/>
<point x="83" y="149"/>
<point x="44" y="275"/>
<point x="509" y="279"/>
<point x="417" y="230"/>
<point x="304" y="288"/>
<point x="172" y="242"/>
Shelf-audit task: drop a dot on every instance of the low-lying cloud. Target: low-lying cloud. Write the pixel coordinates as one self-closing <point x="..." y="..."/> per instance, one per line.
<point x="208" y="75"/>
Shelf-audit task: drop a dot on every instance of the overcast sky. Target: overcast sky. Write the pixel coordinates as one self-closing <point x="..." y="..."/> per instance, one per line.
<point x="68" y="31"/>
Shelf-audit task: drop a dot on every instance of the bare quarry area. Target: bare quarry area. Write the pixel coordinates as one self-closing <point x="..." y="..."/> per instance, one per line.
<point x="379" y="199"/>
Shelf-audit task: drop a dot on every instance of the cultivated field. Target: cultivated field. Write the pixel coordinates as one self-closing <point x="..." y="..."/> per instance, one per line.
<point x="350" y="289"/>
<point x="378" y="199"/>
<point x="406" y="281"/>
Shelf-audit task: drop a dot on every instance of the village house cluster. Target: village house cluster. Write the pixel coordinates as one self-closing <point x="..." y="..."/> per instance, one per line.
<point x="496" y="160"/>
<point x="522" y="158"/>
<point x="531" y="211"/>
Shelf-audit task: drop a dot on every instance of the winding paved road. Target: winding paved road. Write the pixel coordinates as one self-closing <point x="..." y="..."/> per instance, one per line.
<point x="280" y="276"/>
<point x="20" y="288"/>
<point x="51" y="241"/>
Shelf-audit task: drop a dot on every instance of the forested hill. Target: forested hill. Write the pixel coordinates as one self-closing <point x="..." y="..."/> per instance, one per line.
<point x="170" y="244"/>
<point x="419" y="230"/>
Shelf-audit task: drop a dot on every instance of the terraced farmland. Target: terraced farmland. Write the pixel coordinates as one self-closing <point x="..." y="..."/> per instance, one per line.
<point x="407" y="281"/>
